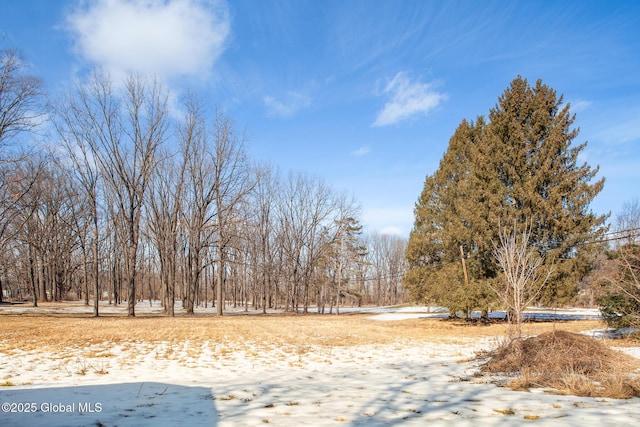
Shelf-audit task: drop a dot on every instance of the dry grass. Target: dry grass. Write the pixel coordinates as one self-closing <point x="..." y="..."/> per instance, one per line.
<point x="84" y="344"/>
<point x="568" y="363"/>
<point x="300" y="331"/>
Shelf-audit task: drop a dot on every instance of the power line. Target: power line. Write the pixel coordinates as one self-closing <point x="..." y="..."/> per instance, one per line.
<point x="629" y="233"/>
<point x="622" y="231"/>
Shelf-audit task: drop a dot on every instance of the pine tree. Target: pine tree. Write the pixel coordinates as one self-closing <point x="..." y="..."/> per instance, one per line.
<point x="443" y="236"/>
<point x="519" y="166"/>
<point x="533" y="159"/>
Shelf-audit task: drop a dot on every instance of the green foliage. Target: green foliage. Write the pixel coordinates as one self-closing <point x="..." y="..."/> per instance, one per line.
<point x="620" y="305"/>
<point x="446" y="286"/>
<point x="518" y="165"/>
<point x="619" y="310"/>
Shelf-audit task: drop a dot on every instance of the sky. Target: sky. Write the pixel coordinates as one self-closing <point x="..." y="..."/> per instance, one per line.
<point x="362" y="94"/>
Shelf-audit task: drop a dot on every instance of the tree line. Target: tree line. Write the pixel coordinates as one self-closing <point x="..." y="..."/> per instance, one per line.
<point x="129" y="200"/>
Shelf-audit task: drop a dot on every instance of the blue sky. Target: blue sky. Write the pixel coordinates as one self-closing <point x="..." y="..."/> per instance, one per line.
<point x="364" y="94"/>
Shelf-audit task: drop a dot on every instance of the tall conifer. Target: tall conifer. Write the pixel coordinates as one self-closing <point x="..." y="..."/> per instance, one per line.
<point x="520" y="166"/>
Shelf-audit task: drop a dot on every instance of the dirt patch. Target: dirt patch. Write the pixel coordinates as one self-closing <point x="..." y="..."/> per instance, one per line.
<point x="566" y="363"/>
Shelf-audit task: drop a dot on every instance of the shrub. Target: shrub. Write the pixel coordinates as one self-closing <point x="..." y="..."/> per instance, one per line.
<point x="619" y="310"/>
<point x="620" y="305"/>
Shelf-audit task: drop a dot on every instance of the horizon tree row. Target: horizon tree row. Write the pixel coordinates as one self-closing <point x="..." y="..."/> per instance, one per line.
<point x="130" y="201"/>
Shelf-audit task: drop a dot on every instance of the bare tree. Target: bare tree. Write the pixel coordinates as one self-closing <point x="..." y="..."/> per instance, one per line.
<point x="521" y="263"/>
<point x="618" y="275"/>
<point x="45" y="232"/>
<point x="304" y="212"/>
<point x="386" y="254"/>
<point x="629" y="280"/>
<point x="165" y="202"/>
<point x="627" y="223"/>
<point x="123" y="132"/>
<point x="26" y="228"/>
<point x="180" y="199"/>
<point x="232" y="184"/>
<point x="198" y="213"/>
<point x="20" y="97"/>
<point x="58" y="204"/>
<point x="20" y="112"/>
<point x="628" y="226"/>
<point x="75" y="134"/>
<point x="260" y="231"/>
<point x="343" y="247"/>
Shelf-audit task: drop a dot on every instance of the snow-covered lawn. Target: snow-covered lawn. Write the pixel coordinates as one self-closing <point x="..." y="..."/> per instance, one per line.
<point x="413" y="384"/>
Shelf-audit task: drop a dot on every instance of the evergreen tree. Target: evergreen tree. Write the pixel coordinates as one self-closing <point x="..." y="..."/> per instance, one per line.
<point x="443" y="236"/>
<point x="519" y="166"/>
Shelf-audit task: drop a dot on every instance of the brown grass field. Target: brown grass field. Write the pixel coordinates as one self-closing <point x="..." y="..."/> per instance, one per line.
<point x="81" y="335"/>
<point x="49" y="332"/>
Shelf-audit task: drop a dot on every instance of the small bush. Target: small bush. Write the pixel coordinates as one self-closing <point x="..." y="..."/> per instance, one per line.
<point x="567" y="363"/>
<point x="620" y="304"/>
<point x="619" y="310"/>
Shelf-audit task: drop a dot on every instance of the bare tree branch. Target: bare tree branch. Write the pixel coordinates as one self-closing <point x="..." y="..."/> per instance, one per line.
<point x="520" y="264"/>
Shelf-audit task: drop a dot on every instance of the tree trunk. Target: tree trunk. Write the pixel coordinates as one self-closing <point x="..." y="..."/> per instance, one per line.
<point x="85" y="277"/>
<point x="220" y="273"/>
<point x="32" y="279"/>
<point x="96" y="268"/>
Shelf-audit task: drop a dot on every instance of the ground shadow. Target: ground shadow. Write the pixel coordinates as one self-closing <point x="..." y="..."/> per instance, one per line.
<point x="124" y="404"/>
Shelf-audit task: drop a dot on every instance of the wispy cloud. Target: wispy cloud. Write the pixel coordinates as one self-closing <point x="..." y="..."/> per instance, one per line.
<point x="407" y="99"/>
<point x="360" y="152"/>
<point x="287" y="106"/>
<point x="579" y="105"/>
<point x="166" y="38"/>
<point x="618" y="127"/>
<point x="393" y="231"/>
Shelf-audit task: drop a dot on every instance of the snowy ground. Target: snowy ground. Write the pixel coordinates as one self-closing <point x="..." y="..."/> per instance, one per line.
<point x="138" y="384"/>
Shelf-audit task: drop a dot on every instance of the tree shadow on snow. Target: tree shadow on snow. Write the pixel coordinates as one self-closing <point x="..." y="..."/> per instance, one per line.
<point x="125" y="404"/>
<point x="435" y="399"/>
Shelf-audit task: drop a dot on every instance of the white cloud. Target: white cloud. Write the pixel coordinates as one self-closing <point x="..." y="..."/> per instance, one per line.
<point x="407" y="99"/>
<point x="167" y="38"/>
<point x="292" y="103"/>
<point x="362" y="151"/>
<point x="389" y="220"/>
